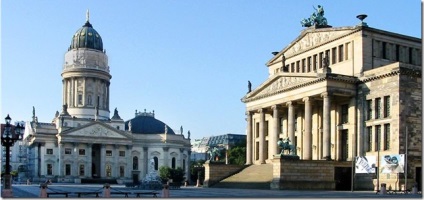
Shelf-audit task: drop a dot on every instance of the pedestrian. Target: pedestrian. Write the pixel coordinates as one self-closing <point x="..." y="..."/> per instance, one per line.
<point x="165" y="191"/>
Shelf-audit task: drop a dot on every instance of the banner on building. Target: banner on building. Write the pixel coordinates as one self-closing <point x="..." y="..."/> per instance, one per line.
<point x="392" y="164"/>
<point x="365" y="164"/>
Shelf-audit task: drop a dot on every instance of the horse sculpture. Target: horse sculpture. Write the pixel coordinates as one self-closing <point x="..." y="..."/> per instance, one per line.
<point x="213" y="153"/>
<point x="284" y="144"/>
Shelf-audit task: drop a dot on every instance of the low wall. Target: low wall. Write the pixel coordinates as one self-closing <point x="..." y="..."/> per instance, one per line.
<point x="217" y="171"/>
<point x="290" y="173"/>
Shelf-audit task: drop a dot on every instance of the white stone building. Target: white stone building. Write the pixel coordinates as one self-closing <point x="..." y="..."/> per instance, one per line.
<point x="338" y="93"/>
<point x="83" y="143"/>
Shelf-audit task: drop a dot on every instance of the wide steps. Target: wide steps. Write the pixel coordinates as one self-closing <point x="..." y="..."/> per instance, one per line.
<point x="252" y="177"/>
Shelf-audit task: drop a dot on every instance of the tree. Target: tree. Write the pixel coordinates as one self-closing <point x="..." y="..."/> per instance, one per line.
<point x="237" y="154"/>
<point x="167" y="173"/>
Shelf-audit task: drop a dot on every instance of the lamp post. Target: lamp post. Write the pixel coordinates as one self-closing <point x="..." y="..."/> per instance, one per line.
<point x="8" y="138"/>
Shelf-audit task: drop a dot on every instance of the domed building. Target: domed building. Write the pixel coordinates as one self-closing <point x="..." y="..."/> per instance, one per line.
<point x="83" y="144"/>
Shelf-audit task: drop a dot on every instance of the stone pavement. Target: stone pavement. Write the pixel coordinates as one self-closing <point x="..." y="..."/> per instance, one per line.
<point x="33" y="191"/>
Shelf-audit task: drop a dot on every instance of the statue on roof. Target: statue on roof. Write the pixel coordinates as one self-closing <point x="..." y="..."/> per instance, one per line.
<point x="317" y="18"/>
<point x="249" y="86"/>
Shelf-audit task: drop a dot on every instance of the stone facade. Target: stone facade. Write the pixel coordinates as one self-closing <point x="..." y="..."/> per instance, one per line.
<point x="338" y="93"/>
<point x="83" y="143"/>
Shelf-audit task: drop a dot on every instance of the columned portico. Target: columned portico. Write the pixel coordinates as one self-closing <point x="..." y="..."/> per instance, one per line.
<point x="291" y="124"/>
<point x="262" y="130"/>
<point x="249" y="138"/>
<point x="307" y="141"/>
<point x="276" y="131"/>
<point x="326" y="126"/>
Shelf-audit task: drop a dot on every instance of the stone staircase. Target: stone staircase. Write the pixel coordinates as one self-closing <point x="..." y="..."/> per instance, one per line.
<point x="252" y="177"/>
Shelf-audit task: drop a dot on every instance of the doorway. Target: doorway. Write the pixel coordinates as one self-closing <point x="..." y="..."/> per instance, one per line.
<point x="343" y="178"/>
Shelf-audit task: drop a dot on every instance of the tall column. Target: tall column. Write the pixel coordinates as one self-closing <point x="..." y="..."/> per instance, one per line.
<point x="326" y="126"/>
<point x="75" y="167"/>
<point x="276" y="131"/>
<point x="115" y="167"/>
<point x="88" y="172"/>
<point x="102" y="160"/>
<point x="146" y="162"/>
<point x="291" y="124"/>
<point x="128" y="158"/>
<point x="187" y="169"/>
<point x="307" y="137"/>
<point x="262" y="136"/>
<point x="249" y="139"/>
<point x="61" y="167"/>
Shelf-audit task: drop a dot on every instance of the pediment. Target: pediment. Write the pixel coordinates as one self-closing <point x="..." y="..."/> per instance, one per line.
<point x="97" y="130"/>
<point x="281" y="83"/>
<point x="311" y="38"/>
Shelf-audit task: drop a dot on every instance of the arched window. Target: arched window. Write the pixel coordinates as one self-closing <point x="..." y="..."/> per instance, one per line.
<point x="135" y="163"/>
<point x="173" y="162"/>
<point x="156" y="162"/>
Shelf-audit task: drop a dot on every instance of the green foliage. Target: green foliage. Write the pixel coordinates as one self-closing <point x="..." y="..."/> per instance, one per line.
<point x="237" y="155"/>
<point x="14" y="173"/>
<point x="166" y="173"/>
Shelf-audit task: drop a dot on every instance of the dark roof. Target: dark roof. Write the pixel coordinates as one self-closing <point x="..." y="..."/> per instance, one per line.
<point x="87" y="37"/>
<point x="146" y="124"/>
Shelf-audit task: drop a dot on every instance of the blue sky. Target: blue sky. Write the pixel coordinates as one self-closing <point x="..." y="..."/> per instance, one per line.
<point x="189" y="61"/>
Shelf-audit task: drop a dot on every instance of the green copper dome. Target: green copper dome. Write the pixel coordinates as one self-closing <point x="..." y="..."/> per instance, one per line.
<point x="87" y="37"/>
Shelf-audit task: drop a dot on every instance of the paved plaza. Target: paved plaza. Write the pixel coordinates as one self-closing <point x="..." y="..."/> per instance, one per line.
<point x="31" y="191"/>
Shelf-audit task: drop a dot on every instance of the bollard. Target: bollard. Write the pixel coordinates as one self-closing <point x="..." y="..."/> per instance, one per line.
<point x="43" y="190"/>
<point x="383" y="190"/>
<point x="415" y="189"/>
<point x="165" y="191"/>
<point x="106" y="190"/>
<point x="185" y="183"/>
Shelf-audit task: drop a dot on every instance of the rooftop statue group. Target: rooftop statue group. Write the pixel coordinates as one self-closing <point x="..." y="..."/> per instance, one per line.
<point x="317" y="18"/>
<point x="214" y="153"/>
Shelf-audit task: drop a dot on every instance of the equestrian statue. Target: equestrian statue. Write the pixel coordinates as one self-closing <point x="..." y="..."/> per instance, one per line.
<point x="286" y="146"/>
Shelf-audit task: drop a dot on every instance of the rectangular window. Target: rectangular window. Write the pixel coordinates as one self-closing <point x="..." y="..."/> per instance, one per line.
<point x="121" y="171"/>
<point x="49" y="151"/>
<point x="321" y="57"/>
<point x="368" y="138"/>
<point x="81" y="152"/>
<point x="369" y="109"/>
<point x="333" y="55"/>
<point x="377" y="108"/>
<point x="341" y="53"/>
<point x="80" y="99"/>
<point x="122" y="153"/>
<point x="308" y="64"/>
<point x="383" y="50"/>
<point x="346" y="55"/>
<point x="108" y="152"/>
<point x="397" y="52"/>
<point x="68" y="151"/>
<point x="297" y="66"/>
<point x="303" y="65"/>
<point x="281" y="125"/>
<point x="315" y="60"/>
<point x="377" y="137"/>
<point x="386" y="136"/>
<point x="386" y="106"/>
<point x="292" y="67"/>
<point x="49" y="169"/>
<point x="410" y="55"/>
<point x="81" y="170"/>
<point x="257" y="129"/>
<point x="67" y="169"/>
<point x="344" y="114"/>
<point x="266" y="128"/>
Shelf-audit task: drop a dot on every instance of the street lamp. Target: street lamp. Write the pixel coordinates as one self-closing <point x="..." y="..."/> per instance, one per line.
<point x="8" y="138"/>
